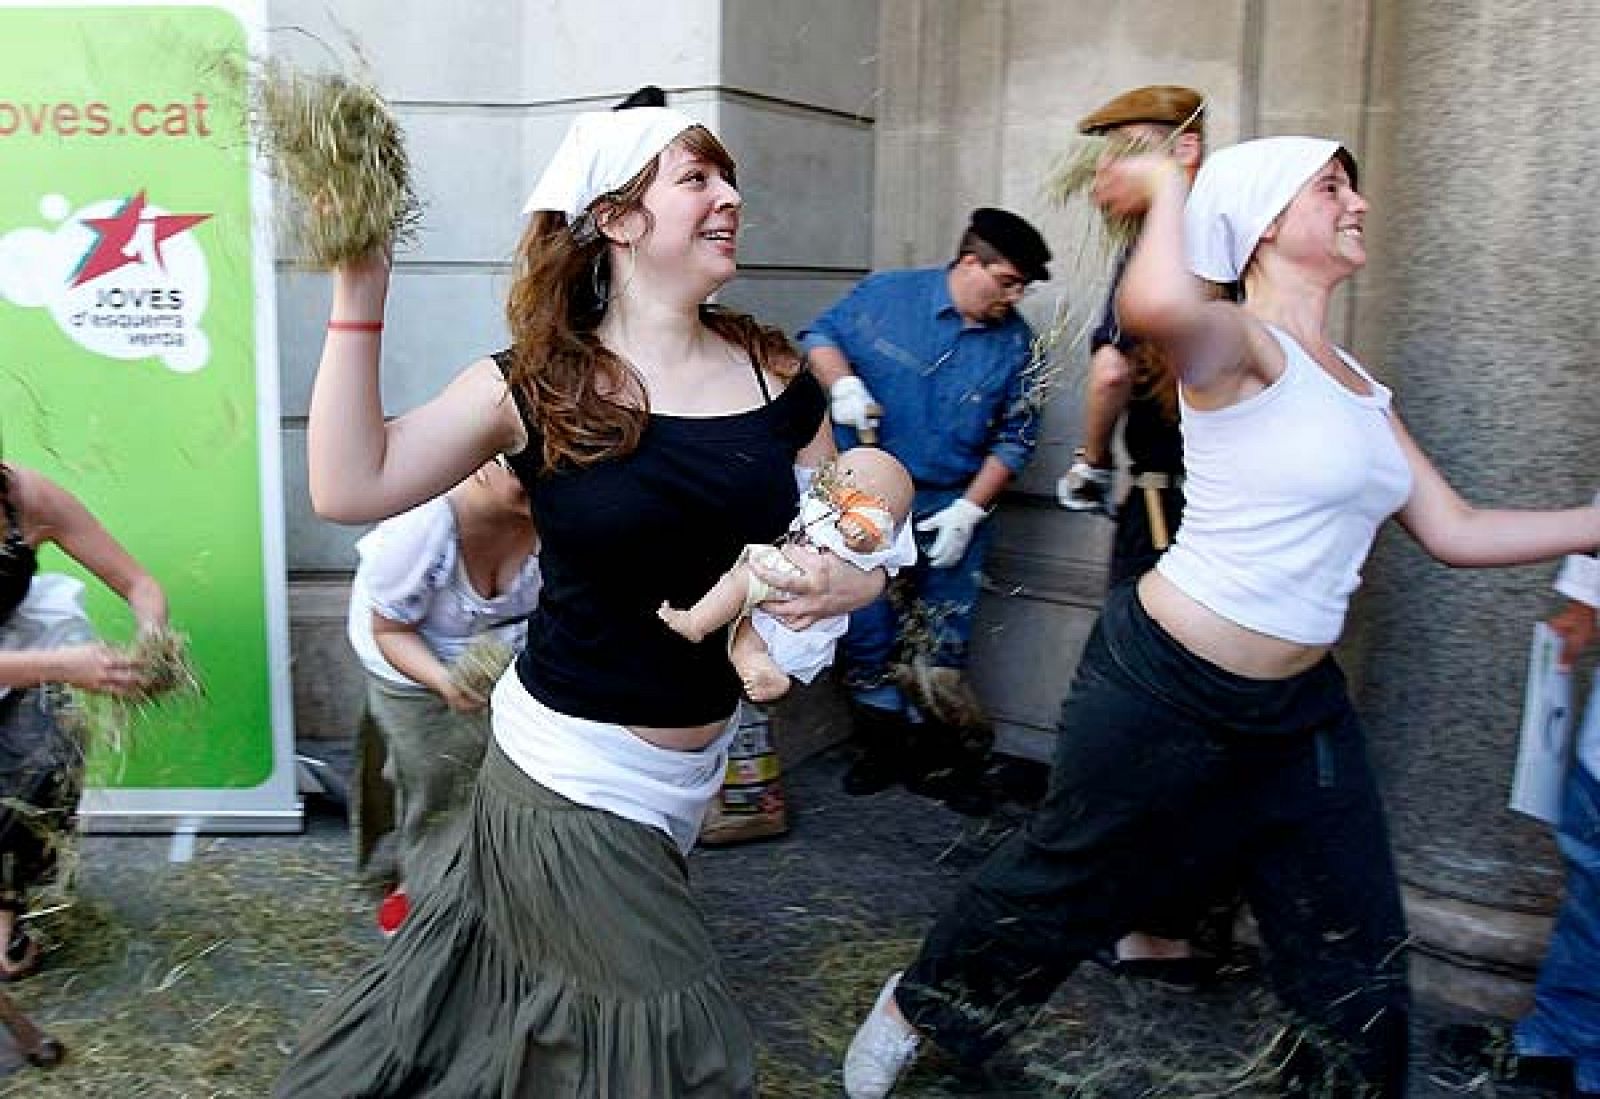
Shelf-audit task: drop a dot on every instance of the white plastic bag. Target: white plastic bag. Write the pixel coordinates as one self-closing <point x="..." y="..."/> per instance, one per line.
<point x="1545" y="750"/>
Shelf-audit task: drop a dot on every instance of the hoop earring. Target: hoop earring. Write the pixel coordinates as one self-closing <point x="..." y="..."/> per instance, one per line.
<point x="584" y="230"/>
<point x="633" y="265"/>
<point x="596" y="280"/>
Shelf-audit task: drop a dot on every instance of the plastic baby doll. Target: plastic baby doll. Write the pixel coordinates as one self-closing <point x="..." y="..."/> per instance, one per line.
<point x="856" y="507"/>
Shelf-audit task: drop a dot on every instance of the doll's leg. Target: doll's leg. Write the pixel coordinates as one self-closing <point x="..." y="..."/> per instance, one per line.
<point x="763" y="680"/>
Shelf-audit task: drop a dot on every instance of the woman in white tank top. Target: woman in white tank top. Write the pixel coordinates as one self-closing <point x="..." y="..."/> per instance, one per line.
<point x="1211" y="735"/>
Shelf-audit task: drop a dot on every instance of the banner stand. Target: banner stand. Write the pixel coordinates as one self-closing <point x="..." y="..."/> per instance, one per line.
<point x="139" y="369"/>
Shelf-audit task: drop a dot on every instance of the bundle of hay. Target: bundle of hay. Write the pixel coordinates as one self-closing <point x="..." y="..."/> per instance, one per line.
<point x="480" y="667"/>
<point x="164" y="663"/>
<point x="1074" y="174"/>
<point x="166" y="672"/>
<point x="335" y="144"/>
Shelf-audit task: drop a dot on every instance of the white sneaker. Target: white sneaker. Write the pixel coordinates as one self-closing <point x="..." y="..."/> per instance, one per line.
<point x="1086" y="488"/>
<point x="882" y="1049"/>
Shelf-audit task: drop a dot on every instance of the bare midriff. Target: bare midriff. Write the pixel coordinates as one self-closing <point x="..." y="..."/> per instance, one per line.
<point x="691" y="739"/>
<point x="1221" y="641"/>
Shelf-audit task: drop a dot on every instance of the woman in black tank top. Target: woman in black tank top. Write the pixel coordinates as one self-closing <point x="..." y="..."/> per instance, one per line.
<point x="656" y="436"/>
<point x="43" y="646"/>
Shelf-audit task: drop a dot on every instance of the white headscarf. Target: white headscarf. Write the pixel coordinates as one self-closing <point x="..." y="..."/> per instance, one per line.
<point x="1238" y="192"/>
<point x="602" y="151"/>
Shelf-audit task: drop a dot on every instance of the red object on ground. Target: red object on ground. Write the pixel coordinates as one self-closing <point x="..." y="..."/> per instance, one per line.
<point x="392" y="911"/>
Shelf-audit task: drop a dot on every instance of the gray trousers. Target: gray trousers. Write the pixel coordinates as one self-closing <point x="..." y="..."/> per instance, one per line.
<point x="427" y="757"/>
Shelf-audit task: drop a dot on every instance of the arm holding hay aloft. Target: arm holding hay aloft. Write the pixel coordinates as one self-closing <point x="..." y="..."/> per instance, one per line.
<point x="1212" y="344"/>
<point x="363" y="467"/>
<point x="334" y="143"/>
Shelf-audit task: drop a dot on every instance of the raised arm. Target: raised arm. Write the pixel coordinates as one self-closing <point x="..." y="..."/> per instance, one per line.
<point x="364" y="468"/>
<point x="1213" y="345"/>
<point x="1456" y="533"/>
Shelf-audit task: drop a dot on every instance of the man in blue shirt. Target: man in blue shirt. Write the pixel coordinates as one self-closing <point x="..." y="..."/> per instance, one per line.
<point x="933" y="365"/>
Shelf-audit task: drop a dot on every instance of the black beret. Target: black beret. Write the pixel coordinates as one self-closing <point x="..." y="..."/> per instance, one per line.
<point x="1014" y="239"/>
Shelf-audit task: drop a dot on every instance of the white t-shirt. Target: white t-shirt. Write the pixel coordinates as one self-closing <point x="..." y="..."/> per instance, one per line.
<point x="411" y="572"/>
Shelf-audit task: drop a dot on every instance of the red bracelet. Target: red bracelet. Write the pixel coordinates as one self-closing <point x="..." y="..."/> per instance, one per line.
<point x="355" y="326"/>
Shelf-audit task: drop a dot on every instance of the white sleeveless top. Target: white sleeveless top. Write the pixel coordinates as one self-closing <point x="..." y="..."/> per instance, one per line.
<point x="411" y="571"/>
<point x="1284" y="493"/>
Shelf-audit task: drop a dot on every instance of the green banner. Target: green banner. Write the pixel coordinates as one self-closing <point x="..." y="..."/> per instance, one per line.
<point x="130" y="281"/>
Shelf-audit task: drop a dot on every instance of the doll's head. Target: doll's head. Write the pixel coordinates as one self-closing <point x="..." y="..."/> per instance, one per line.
<point x="871" y="494"/>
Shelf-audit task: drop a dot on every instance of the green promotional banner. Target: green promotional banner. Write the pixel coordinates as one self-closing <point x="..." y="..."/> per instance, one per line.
<point x="137" y="364"/>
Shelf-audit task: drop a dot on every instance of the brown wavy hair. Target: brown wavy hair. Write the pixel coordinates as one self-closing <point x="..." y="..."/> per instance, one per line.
<point x="585" y="402"/>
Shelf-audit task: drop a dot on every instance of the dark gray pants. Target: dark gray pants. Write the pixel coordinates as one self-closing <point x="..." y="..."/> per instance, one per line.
<point x="1171" y="775"/>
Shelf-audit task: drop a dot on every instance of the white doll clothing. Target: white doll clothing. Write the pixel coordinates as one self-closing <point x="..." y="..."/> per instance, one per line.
<point x="804" y="653"/>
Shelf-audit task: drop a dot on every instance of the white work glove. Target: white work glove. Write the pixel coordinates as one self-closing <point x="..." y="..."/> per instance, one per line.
<point x="851" y="405"/>
<point x="954" y="526"/>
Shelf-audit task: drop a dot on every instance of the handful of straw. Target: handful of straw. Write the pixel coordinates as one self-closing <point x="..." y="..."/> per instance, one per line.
<point x="480" y="667"/>
<point x="165" y="672"/>
<point x="1074" y="173"/>
<point x="336" y="145"/>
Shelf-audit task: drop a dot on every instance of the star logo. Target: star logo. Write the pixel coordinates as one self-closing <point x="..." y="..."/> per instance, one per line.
<point x="132" y="235"/>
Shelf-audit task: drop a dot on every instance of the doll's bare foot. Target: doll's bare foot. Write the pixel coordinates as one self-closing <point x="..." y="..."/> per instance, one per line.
<point x="763" y="684"/>
<point x="680" y="622"/>
<point x="763" y="680"/>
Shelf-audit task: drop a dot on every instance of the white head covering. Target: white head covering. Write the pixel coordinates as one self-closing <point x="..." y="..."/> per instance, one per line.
<point x="601" y="152"/>
<point x="1238" y="192"/>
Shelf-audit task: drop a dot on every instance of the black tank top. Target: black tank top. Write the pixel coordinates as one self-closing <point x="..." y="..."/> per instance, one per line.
<point x="18" y="562"/>
<point x="662" y="523"/>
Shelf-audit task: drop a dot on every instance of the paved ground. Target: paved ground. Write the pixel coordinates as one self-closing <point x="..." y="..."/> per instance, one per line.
<point x="188" y="980"/>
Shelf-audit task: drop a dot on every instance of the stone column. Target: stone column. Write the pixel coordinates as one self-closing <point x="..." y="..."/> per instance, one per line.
<point x="1491" y="347"/>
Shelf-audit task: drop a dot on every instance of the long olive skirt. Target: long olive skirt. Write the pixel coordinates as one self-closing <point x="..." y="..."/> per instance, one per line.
<point x="560" y="955"/>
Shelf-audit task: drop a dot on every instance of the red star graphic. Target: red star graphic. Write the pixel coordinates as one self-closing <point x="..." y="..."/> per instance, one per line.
<point x="115" y="233"/>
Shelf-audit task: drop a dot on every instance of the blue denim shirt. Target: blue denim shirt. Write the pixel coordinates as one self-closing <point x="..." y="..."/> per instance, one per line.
<point x="952" y="392"/>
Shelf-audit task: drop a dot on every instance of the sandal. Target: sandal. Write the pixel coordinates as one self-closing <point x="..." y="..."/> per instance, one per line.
<point x="21" y="956"/>
<point x="1178" y="974"/>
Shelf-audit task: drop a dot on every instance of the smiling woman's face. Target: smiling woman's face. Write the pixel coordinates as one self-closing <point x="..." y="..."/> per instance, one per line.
<point x="689" y="224"/>
<point x="1325" y="222"/>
